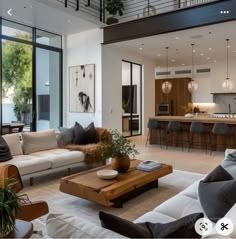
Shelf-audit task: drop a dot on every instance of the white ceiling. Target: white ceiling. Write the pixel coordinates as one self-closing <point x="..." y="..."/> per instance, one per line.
<point x="210" y="45"/>
<point x="49" y="17"/>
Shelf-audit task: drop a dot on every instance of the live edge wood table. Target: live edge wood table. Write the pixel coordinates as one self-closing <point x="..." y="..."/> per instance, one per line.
<point x="112" y="192"/>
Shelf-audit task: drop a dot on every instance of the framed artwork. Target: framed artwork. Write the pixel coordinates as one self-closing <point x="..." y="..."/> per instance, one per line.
<point x="81" y="88"/>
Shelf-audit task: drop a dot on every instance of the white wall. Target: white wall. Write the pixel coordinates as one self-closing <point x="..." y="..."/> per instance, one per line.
<point x="112" y="91"/>
<point x="84" y="48"/>
<point x="203" y="94"/>
<point x="219" y="75"/>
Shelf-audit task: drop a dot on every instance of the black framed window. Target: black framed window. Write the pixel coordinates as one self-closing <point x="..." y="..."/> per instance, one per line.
<point x="30" y="76"/>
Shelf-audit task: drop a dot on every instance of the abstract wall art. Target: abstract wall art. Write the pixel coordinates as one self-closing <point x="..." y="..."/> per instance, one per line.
<point x="81" y="88"/>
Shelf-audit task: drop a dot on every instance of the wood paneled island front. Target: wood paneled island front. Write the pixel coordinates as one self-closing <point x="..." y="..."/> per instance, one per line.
<point x="223" y="142"/>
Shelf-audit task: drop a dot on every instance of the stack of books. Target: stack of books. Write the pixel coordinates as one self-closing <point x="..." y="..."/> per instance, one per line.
<point x="148" y="165"/>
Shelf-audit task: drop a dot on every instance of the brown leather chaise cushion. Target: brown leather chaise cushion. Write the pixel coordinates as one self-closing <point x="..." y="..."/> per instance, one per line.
<point x="5" y="153"/>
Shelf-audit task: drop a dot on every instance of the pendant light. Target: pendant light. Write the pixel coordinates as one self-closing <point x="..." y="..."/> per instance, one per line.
<point x="192" y="85"/>
<point x="227" y="84"/>
<point x="166" y="85"/>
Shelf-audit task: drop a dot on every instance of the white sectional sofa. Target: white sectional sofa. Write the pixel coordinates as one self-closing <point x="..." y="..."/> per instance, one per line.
<point x="184" y="203"/>
<point x="37" y="153"/>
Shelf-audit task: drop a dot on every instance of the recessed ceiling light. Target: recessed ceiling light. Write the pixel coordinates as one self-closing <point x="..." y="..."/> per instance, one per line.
<point x="140" y="48"/>
<point x="215" y="61"/>
<point x="201" y="54"/>
<point x="229" y="46"/>
<point x="209" y="48"/>
<point x="208" y="58"/>
<point x="194" y="50"/>
<point x="176" y="38"/>
<point x="31" y="6"/>
<point x="234" y="50"/>
<point x="173" y="60"/>
<point x="158" y="54"/>
<point x="183" y="64"/>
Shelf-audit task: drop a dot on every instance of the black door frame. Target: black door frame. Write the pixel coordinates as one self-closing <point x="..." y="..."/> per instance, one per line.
<point x="141" y="97"/>
<point x="34" y="45"/>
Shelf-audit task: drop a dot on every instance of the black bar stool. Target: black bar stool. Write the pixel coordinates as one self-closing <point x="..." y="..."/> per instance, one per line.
<point x="154" y="124"/>
<point x="174" y="128"/>
<point x="198" y="128"/>
<point x="222" y="129"/>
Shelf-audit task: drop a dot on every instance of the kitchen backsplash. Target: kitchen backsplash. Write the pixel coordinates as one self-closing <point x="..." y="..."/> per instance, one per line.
<point x="222" y="102"/>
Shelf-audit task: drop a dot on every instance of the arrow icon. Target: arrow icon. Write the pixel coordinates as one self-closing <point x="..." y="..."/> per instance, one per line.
<point x="9" y="12"/>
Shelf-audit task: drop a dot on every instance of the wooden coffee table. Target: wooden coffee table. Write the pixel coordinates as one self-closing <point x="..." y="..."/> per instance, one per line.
<point x="112" y="192"/>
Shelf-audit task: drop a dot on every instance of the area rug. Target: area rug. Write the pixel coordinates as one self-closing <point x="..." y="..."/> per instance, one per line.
<point x="47" y="188"/>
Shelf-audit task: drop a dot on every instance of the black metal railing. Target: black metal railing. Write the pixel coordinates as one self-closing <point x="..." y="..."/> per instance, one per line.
<point x="134" y="9"/>
<point x="92" y="8"/>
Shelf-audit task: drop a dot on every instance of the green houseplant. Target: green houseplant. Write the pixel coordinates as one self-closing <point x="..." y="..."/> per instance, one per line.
<point x="9" y="206"/>
<point x="114" y="7"/>
<point x="120" y="149"/>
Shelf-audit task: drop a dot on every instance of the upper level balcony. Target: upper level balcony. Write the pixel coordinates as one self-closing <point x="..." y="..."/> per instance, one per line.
<point x="132" y="9"/>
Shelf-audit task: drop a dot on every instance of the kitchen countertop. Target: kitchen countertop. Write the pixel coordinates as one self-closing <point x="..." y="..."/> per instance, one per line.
<point x="209" y="120"/>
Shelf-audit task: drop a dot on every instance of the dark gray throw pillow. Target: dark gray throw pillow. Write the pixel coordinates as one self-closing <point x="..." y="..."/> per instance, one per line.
<point x="67" y="135"/>
<point x="217" y="193"/>
<point x="5" y="153"/>
<point x="181" y="228"/>
<point x="84" y="135"/>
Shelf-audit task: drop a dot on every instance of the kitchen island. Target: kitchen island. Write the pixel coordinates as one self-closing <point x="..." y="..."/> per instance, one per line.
<point x="223" y="142"/>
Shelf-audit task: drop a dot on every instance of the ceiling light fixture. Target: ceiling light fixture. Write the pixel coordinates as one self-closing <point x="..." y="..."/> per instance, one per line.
<point x="166" y="85"/>
<point x="192" y="85"/>
<point x="227" y="84"/>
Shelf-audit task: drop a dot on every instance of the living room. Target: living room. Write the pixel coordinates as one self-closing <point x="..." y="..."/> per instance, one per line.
<point x="82" y="52"/>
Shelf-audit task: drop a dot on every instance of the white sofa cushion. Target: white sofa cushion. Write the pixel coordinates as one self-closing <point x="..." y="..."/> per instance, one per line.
<point x="14" y="143"/>
<point x="64" y="226"/>
<point x="28" y="164"/>
<point x="61" y="157"/>
<point x="38" y="141"/>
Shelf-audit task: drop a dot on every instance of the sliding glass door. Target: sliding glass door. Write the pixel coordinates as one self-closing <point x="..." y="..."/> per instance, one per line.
<point x="131" y="98"/>
<point x="47" y="89"/>
<point x="30" y="78"/>
<point x="16" y="83"/>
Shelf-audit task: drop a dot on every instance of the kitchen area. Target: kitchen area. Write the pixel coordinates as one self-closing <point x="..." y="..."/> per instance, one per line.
<point x="177" y="106"/>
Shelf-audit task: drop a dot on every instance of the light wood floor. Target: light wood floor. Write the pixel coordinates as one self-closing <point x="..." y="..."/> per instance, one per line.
<point x="194" y="161"/>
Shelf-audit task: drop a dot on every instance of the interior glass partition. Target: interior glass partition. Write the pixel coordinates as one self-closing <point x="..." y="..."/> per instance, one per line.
<point x="131" y="98"/>
<point x="30" y="78"/>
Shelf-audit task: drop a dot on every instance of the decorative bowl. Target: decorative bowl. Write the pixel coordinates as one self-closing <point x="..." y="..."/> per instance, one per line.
<point x="107" y="174"/>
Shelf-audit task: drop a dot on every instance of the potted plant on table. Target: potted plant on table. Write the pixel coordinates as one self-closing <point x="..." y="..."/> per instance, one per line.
<point x="119" y="149"/>
<point x="114" y="7"/>
<point x="9" y="206"/>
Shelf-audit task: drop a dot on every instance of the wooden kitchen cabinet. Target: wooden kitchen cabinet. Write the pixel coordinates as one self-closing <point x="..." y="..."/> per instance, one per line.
<point x="178" y="98"/>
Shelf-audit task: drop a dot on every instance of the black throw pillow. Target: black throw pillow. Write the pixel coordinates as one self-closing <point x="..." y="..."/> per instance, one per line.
<point x="181" y="228"/>
<point x="217" y="193"/>
<point x="84" y="135"/>
<point x="5" y="153"/>
<point x="67" y="135"/>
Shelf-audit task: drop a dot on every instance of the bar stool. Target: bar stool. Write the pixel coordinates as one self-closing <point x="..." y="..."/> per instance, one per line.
<point x="154" y="124"/>
<point x="221" y="129"/>
<point x="174" y="127"/>
<point x="198" y="128"/>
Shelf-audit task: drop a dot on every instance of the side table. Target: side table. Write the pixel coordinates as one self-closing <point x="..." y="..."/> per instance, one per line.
<point x="23" y="230"/>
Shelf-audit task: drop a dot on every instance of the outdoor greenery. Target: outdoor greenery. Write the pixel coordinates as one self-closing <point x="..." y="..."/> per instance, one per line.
<point x="17" y="73"/>
<point x="115" y="7"/>
<point x="118" y="145"/>
<point x="9" y="206"/>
